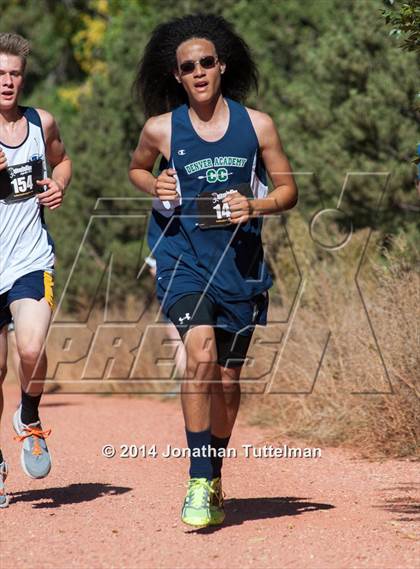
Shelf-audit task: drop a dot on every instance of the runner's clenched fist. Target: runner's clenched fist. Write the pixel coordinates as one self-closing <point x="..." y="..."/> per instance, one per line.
<point x="53" y="197"/>
<point x="240" y="207"/>
<point x="165" y="185"/>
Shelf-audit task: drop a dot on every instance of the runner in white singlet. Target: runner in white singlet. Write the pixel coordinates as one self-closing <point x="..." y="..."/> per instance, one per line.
<point x="29" y="144"/>
<point x="25" y="243"/>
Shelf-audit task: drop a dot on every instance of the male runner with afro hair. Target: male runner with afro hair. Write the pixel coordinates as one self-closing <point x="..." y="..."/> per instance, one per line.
<point x="205" y="229"/>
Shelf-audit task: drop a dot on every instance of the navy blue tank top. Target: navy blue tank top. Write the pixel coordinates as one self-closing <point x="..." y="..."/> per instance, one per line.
<point x="225" y="262"/>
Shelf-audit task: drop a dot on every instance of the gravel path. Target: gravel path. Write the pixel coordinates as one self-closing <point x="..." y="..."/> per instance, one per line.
<point x="92" y="512"/>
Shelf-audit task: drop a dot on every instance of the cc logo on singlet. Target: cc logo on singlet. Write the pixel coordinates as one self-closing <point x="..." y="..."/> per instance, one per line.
<point x="214" y="175"/>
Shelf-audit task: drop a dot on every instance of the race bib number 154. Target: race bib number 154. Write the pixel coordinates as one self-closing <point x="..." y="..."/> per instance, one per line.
<point x="22" y="180"/>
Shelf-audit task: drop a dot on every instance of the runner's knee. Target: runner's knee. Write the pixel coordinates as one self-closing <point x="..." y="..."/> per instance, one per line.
<point x="200" y="364"/>
<point x="229" y="383"/>
<point x="30" y="353"/>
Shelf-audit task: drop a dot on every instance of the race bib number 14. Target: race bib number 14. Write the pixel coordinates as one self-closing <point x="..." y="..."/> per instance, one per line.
<point x="212" y="211"/>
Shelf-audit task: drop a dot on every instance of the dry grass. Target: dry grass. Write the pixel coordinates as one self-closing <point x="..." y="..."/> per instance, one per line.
<point x="366" y="393"/>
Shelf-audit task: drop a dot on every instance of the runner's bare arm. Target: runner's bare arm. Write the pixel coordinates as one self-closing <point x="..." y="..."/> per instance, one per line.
<point x="284" y="196"/>
<point x="154" y="140"/>
<point x="59" y="161"/>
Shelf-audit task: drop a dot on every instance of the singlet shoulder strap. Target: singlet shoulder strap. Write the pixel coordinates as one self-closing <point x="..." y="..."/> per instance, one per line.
<point x="178" y="123"/>
<point x="33" y="117"/>
<point x="179" y="116"/>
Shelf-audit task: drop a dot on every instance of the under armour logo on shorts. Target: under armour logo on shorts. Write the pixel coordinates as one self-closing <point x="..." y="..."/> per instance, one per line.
<point x="186" y="317"/>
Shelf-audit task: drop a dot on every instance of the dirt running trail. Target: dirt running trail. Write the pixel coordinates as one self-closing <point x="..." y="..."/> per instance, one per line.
<point x="92" y="512"/>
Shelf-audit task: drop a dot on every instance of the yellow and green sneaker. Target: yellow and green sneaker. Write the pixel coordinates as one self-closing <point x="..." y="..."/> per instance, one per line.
<point x="196" y="508"/>
<point x="217" y="510"/>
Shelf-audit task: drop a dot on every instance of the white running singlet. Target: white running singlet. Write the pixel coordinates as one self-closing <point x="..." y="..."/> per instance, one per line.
<point x="25" y="245"/>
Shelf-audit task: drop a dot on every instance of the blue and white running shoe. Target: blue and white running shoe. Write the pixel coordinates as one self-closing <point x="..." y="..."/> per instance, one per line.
<point x="4" y="498"/>
<point x="34" y="458"/>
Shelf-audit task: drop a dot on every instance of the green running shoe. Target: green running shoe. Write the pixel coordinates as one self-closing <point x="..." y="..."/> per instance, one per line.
<point x="217" y="510"/>
<point x="4" y="498"/>
<point x="196" y="508"/>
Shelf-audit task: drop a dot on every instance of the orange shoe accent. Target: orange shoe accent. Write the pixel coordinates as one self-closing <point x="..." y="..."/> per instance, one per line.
<point x="38" y="434"/>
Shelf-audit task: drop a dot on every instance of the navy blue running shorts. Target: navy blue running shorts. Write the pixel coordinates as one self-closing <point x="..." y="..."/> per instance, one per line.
<point x="233" y="322"/>
<point x="36" y="285"/>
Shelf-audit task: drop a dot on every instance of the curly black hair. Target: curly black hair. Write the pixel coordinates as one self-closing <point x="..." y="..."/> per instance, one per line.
<point x="155" y="84"/>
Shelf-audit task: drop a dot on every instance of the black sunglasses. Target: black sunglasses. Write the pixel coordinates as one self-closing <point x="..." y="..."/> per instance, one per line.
<point x="206" y="62"/>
